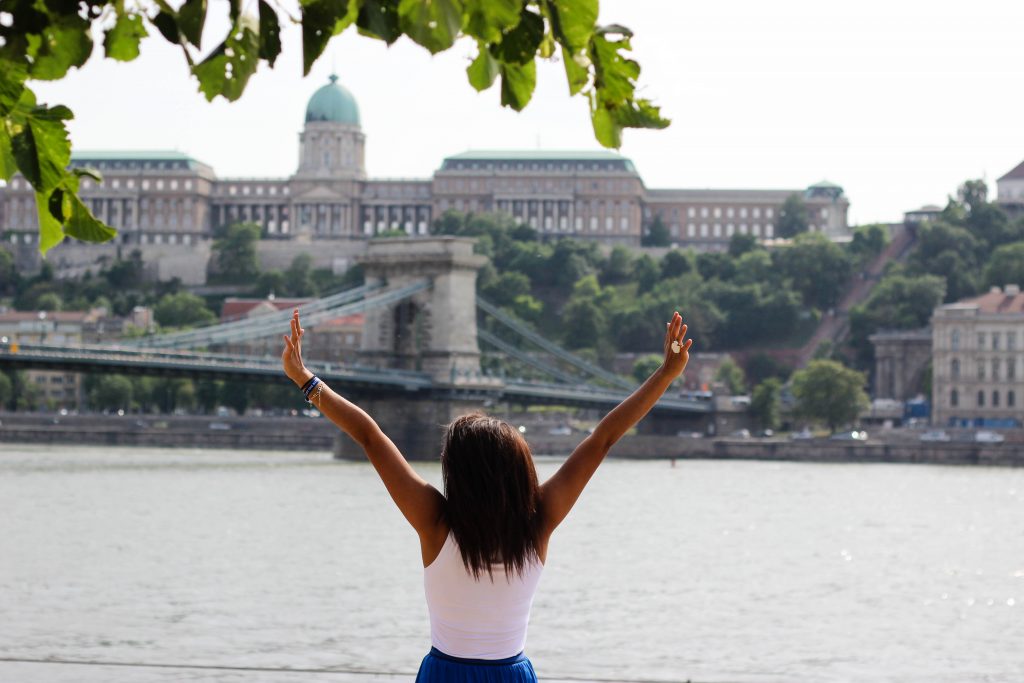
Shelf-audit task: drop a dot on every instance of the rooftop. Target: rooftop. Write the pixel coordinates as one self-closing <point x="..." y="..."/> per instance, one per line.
<point x="999" y="301"/>
<point x="1016" y="174"/>
<point x="536" y="155"/>
<point x="82" y="157"/>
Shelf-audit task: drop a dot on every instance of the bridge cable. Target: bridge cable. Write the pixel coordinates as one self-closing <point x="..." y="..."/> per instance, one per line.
<point x="523" y="330"/>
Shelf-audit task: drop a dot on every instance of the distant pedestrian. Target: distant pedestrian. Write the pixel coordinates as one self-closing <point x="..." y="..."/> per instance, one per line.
<point x="484" y="542"/>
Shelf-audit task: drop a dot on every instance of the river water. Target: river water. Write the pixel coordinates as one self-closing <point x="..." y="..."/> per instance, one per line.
<point x="710" y="571"/>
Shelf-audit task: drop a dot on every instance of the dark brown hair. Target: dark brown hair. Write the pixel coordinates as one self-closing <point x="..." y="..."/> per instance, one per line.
<point x="493" y="498"/>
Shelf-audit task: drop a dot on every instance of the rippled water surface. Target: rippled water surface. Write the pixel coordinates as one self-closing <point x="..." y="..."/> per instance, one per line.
<point x="710" y="571"/>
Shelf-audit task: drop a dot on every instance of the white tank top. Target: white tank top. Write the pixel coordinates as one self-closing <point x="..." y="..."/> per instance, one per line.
<point x="481" y="618"/>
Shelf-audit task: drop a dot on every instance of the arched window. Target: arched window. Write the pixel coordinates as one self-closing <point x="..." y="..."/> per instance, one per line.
<point x="981" y="399"/>
<point x="954" y="369"/>
<point x="955" y="340"/>
<point x="954" y="398"/>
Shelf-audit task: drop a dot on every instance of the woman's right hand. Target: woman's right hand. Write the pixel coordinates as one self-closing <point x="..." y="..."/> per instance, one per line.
<point x="675" y="361"/>
<point x="291" y="357"/>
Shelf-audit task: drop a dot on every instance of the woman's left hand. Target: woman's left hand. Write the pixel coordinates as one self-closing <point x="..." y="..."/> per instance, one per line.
<point x="291" y="357"/>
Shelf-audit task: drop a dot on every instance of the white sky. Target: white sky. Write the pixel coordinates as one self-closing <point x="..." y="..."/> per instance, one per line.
<point x="898" y="101"/>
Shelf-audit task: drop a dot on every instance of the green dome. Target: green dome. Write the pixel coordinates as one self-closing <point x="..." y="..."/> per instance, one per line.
<point x="333" y="103"/>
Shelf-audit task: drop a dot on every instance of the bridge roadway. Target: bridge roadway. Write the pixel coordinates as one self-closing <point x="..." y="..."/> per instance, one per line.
<point x="349" y="378"/>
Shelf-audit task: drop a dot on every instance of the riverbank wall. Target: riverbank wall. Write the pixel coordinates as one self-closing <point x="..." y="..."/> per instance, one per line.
<point x="308" y="434"/>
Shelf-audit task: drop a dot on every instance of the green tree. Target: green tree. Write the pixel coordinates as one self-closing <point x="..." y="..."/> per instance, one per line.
<point x="898" y="302"/>
<point x="126" y="273"/>
<point x="645" y="366"/>
<point x="762" y="366"/>
<point x="299" y="277"/>
<point x="818" y="269"/>
<point x="741" y="244"/>
<point x="207" y="394"/>
<point x="868" y="241"/>
<point x="677" y="262"/>
<point x="111" y="392"/>
<point x="50" y="301"/>
<point x="792" y="217"/>
<point x="731" y="375"/>
<point x="656" y="233"/>
<point x="765" y="403"/>
<point x="236" y="259"/>
<point x="271" y="282"/>
<point x="1006" y="267"/>
<point x="504" y="289"/>
<point x="618" y="268"/>
<point x="645" y="273"/>
<point x="829" y="393"/>
<point x="44" y="40"/>
<point x="182" y="310"/>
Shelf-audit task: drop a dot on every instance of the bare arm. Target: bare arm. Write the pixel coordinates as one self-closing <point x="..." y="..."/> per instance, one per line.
<point x="560" y="492"/>
<point x="420" y="502"/>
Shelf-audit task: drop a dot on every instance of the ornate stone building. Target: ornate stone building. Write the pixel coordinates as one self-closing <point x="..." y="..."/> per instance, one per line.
<point x="978" y="360"/>
<point x="170" y="202"/>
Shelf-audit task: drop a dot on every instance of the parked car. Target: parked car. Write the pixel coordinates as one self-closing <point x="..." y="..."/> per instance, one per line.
<point x="690" y="435"/>
<point x="560" y="430"/>
<point x="934" y="435"/>
<point x="765" y="433"/>
<point x="741" y="434"/>
<point x="985" y="436"/>
<point x="852" y="435"/>
<point x="804" y="434"/>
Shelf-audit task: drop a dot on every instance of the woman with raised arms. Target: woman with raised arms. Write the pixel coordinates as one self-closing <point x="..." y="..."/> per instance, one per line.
<point x="484" y="540"/>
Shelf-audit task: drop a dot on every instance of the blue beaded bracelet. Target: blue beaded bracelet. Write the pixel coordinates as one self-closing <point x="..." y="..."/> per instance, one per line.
<point x="312" y="385"/>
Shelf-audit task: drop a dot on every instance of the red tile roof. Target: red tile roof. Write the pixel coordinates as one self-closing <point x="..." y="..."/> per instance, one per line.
<point x="998" y="302"/>
<point x="235" y="308"/>
<point x="1016" y="173"/>
<point x="354" y="320"/>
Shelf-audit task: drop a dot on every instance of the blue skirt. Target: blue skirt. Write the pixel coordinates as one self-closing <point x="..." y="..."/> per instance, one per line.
<point x="437" y="667"/>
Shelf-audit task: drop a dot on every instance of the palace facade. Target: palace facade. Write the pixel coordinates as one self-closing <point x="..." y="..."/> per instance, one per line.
<point x="171" y="199"/>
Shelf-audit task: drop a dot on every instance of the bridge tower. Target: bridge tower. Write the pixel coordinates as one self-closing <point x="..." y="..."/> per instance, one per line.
<point x="432" y="331"/>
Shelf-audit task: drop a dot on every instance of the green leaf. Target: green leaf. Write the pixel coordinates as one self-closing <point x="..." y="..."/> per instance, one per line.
<point x="573" y="21"/>
<point x="322" y="20"/>
<point x="64" y="43"/>
<point x="517" y="84"/>
<point x="483" y="70"/>
<point x="576" y="74"/>
<point x="489" y="19"/>
<point x="41" y="147"/>
<point x="191" y="18"/>
<point x="434" y="24"/>
<point x="82" y="225"/>
<point x="379" y="19"/>
<point x="270" y="33"/>
<point x="122" y="40"/>
<point x="80" y="171"/>
<point x="59" y="205"/>
<point x="519" y="45"/>
<point x="606" y="130"/>
<point x="167" y="24"/>
<point x="12" y="84"/>
<point x="614" y="74"/>
<point x="226" y="71"/>
<point x="50" y="232"/>
<point x="8" y="165"/>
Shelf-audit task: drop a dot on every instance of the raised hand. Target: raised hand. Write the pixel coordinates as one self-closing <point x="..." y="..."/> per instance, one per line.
<point x="677" y="346"/>
<point x="291" y="356"/>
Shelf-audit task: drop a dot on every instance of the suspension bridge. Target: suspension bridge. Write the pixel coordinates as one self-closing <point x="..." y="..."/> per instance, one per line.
<point x="420" y="362"/>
